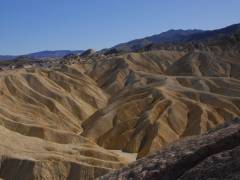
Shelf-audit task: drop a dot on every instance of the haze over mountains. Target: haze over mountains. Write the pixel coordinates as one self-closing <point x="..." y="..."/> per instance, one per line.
<point x="43" y="54"/>
<point x="84" y="115"/>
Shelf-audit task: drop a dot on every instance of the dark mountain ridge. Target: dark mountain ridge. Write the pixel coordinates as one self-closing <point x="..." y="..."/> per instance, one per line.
<point x="165" y="37"/>
<point x="180" y="38"/>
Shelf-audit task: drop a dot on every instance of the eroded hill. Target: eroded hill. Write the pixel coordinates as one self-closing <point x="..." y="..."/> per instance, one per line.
<point x="81" y="117"/>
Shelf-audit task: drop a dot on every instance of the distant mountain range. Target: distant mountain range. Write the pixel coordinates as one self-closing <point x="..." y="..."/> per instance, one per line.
<point x="7" y="57"/>
<point x="231" y="33"/>
<point x="44" y="54"/>
<point x="171" y="37"/>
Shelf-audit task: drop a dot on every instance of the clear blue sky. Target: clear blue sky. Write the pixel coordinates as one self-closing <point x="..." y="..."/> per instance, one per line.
<point x="35" y="25"/>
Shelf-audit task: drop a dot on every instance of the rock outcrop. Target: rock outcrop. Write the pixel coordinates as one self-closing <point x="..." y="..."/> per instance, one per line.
<point x="214" y="155"/>
<point x="88" y="52"/>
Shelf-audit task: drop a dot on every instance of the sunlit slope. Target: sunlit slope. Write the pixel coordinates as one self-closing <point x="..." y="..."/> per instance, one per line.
<point x="72" y="114"/>
<point x="24" y="157"/>
<point x="41" y="112"/>
<point x="164" y="99"/>
<point x="48" y="98"/>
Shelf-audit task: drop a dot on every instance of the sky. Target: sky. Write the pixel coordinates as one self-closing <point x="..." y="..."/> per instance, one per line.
<point x="34" y="25"/>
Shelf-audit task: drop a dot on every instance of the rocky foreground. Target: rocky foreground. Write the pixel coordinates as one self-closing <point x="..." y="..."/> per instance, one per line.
<point x="214" y="155"/>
